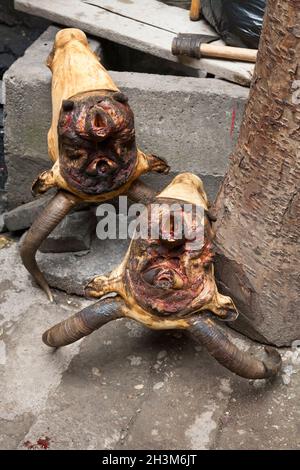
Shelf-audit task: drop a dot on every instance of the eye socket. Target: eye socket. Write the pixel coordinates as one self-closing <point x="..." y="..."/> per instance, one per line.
<point x="163" y="278"/>
<point x="120" y="150"/>
<point x="149" y="275"/>
<point x="75" y="154"/>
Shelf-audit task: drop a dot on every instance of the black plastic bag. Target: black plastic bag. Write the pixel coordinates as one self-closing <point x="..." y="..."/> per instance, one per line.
<point x="239" y="22"/>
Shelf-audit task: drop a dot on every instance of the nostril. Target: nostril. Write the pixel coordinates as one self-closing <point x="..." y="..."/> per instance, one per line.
<point x="100" y="166"/>
<point x="99" y="121"/>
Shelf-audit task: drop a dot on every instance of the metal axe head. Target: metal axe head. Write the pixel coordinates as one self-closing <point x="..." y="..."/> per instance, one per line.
<point x="189" y="44"/>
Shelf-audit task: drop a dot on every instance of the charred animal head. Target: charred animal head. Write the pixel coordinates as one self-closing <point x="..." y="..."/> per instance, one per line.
<point x="97" y="149"/>
<point x="168" y="283"/>
<point x="171" y="275"/>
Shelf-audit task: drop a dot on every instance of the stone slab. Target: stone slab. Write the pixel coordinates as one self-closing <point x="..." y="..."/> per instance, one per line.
<point x="3" y="227"/>
<point x="71" y="272"/>
<point x="192" y="122"/>
<point x="22" y="217"/>
<point x="74" y="233"/>
<point x="157" y="14"/>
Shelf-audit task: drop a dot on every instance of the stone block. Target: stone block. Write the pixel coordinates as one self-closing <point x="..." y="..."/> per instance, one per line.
<point x="2" y="224"/>
<point x="22" y="217"/>
<point x="72" y="271"/>
<point x="74" y="233"/>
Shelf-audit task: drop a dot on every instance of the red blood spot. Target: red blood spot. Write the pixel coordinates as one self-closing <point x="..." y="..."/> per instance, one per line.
<point x="42" y="443"/>
<point x="28" y="444"/>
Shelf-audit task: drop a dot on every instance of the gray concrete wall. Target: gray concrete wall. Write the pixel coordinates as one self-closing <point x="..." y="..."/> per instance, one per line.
<point x="186" y="120"/>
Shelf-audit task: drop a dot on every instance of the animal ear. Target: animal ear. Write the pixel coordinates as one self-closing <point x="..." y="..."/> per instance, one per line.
<point x="222" y="306"/>
<point x="157" y="164"/>
<point x="121" y="97"/>
<point x="230" y="315"/>
<point x="105" y="284"/>
<point x="50" y="58"/>
<point x="43" y="182"/>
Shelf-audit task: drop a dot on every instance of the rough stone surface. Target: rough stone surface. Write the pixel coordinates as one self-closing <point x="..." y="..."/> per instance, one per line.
<point x="22" y="217"/>
<point x="126" y="387"/>
<point x="3" y="227"/>
<point x="17" y="31"/>
<point x="74" y="233"/>
<point x="71" y="272"/>
<point x="185" y="120"/>
<point x="3" y="169"/>
<point x="192" y="122"/>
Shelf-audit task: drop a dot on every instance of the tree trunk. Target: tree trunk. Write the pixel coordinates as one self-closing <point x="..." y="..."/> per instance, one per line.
<point x="258" y="205"/>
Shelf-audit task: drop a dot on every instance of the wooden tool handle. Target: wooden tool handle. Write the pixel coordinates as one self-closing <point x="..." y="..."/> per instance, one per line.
<point x="195" y="10"/>
<point x="227" y="52"/>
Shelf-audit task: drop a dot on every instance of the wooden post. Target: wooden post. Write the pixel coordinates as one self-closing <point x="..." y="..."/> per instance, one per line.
<point x="258" y="205"/>
<point x="195" y="10"/>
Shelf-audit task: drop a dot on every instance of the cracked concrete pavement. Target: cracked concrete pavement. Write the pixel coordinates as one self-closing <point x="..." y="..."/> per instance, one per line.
<point x="126" y="387"/>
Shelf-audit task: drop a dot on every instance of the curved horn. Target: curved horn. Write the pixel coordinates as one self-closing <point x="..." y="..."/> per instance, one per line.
<point x="84" y="322"/>
<point x="49" y="218"/>
<point x="206" y="330"/>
